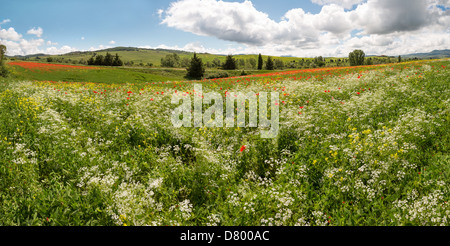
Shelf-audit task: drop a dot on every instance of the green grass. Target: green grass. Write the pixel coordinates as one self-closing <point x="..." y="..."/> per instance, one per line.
<point x="107" y="154"/>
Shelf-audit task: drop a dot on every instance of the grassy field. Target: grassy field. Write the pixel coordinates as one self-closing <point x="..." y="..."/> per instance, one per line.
<point x="357" y="146"/>
<point x="66" y="73"/>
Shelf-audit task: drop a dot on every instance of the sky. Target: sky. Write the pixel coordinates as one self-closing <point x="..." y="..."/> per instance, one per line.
<point x="306" y="28"/>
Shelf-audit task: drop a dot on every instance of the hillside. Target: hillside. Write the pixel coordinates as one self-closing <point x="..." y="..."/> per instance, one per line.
<point x="133" y="57"/>
<point x="435" y="54"/>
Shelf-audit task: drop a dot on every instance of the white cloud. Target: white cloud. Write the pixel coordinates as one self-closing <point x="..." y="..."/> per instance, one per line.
<point x="5" y="21"/>
<point x="51" y="43"/>
<point x="36" y="31"/>
<point x="56" y="51"/>
<point x="82" y="38"/>
<point x="348" y="4"/>
<point x="10" y="34"/>
<point x="160" y="12"/>
<point x="383" y="26"/>
<point x="17" y="45"/>
<point x="112" y="42"/>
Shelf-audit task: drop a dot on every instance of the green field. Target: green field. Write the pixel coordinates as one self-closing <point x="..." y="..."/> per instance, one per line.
<point x="361" y="146"/>
<point x="115" y="74"/>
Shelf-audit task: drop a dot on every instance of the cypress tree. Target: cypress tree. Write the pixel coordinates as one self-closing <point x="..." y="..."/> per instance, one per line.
<point x="260" y="62"/>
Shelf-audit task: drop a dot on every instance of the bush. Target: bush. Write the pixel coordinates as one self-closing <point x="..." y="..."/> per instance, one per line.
<point x="218" y="75"/>
<point x="3" y="71"/>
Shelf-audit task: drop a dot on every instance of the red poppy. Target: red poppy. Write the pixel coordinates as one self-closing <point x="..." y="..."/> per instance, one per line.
<point x="243" y="148"/>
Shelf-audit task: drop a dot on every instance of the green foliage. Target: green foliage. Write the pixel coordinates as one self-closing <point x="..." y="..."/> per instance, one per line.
<point x="3" y="69"/>
<point x="230" y="63"/>
<point x="99" y="60"/>
<point x="117" y="62"/>
<point x="356" y="58"/>
<point x="260" y="62"/>
<point x="108" y="61"/>
<point x="269" y="64"/>
<point x="171" y="60"/>
<point x="196" y="70"/>
<point x="319" y="61"/>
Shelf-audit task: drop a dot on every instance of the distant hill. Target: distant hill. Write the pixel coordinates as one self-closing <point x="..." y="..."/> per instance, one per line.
<point x="432" y="55"/>
<point x="145" y="56"/>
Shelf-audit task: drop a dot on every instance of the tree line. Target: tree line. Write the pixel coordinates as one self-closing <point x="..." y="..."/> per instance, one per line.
<point x="107" y="60"/>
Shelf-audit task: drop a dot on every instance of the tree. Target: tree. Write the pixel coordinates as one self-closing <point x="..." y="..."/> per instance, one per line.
<point x="356" y="58"/>
<point x="98" y="60"/>
<point x="269" y="64"/>
<point x="230" y="63"/>
<point x="108" y="60"/>
<point x="216" y="62"/>
<point x="260" y="62"/>
<point x="252" y="63"/>
<point x="319" y="61"/>
<point x="399" y="59"/>
<point x="91" y="61"/>
<point x="3" y="69"/>
<point x="171" y="60"/>
<point x="196" y="70"/>
<point x="117" y="62"/>
<point x="279" y="64"/>
<point x="185" y="62"/>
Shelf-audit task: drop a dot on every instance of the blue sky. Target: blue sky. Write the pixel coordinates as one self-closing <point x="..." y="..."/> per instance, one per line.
<point x="312" y="27"/>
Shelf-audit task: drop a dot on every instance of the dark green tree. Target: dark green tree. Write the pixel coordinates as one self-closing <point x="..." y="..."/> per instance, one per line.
<point x="270" y="64"/>
<point x="196" y="70"/>
<point x="260" y="62"/>
<point x="108" y="60"/>
<point x="356" y="58"/>
<point x="230" y="63"/>
<point x="99" y="60"/>
<point x="117" y="62"/>
<point x="399" y="59"/>
<point x="91" y="61"/>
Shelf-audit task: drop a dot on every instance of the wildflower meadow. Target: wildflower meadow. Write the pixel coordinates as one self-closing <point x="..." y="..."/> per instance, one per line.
<point x="356" y="146"/>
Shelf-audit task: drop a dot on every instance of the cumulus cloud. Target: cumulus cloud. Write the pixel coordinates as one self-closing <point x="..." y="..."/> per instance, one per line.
<point x="112" y="42"/>
<point x="231" y="21"/>
<point x="348" y="4"/>
<point x="36" y="31"/>
<point x="17" y="45"/>
<point x="10" y="34"/>
<point x="381" y="25"/>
